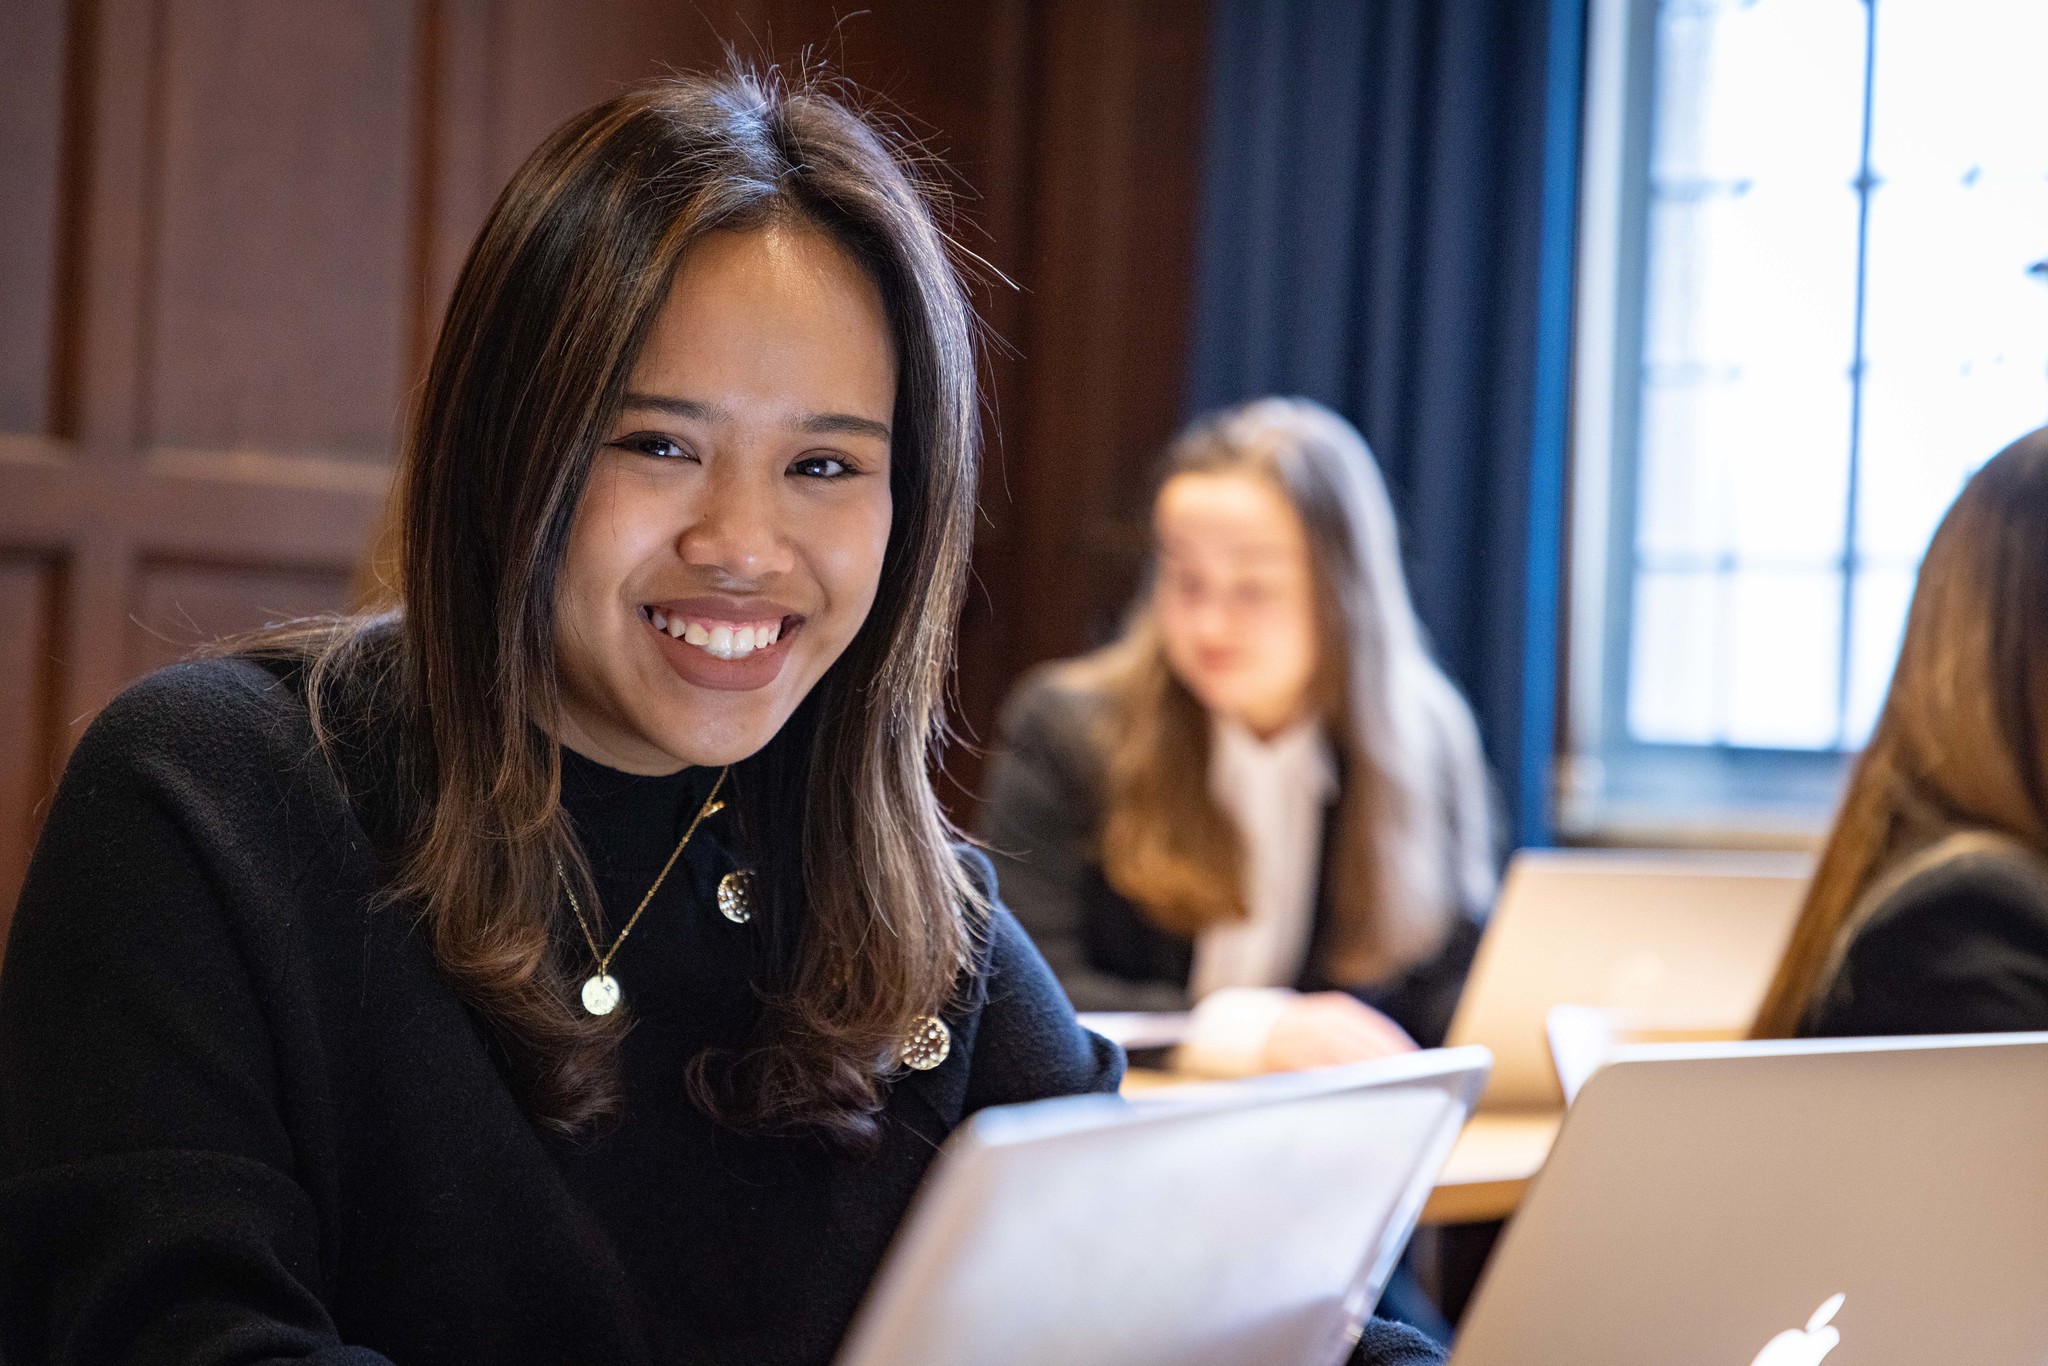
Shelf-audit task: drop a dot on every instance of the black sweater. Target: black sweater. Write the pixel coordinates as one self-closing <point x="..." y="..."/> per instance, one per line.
<point x="1954" y="940"/>
<point x="243" y="1119"/>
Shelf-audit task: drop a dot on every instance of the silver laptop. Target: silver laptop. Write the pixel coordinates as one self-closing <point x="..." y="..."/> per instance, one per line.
<point x="1251" y="1221"/>
<point x="1767" y="1204"/>
<point x="1687" y="939"/>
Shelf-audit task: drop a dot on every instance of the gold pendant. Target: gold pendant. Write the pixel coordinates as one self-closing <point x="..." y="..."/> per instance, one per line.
<point x="601" y="994"/>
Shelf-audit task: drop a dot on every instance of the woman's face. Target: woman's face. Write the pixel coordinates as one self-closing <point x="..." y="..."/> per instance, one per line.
<point x="1235" y="599"/>
<point x="729" y="542"/>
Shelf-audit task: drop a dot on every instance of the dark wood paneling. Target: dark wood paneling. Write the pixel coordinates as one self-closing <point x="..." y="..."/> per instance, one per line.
<point x="280" y="311"/>
<point x="1111" y="273"/>
<point x="453" y="137"/>
<point x="28" y="599"/>
<point x="257" y="512"/>
<point x="556" y="58"/>
<point x="181" y="607"/>
<point x="32" y="132"/>
<point x="97" y="359"/>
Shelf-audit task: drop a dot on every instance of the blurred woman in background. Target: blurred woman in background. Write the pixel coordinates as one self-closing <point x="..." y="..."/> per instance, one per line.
<point x="1266" y="800"/>
<point x="1929" y="912"/>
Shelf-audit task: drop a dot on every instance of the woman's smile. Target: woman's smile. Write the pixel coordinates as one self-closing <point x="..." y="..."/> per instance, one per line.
<point x="727" y="644"/>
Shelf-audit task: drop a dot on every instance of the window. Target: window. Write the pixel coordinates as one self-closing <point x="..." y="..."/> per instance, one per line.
<point x="1813" y="297"/>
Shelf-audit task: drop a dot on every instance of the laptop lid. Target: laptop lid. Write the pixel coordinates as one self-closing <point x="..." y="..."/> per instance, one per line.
<point x="1685" y="938"/>
<point x="1241" y="1221"/>
<point x="1707" y="1204"/>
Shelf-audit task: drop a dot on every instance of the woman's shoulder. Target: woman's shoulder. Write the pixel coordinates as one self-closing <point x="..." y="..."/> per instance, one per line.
<point x="203" y="713"/>
<point x="1005" y="959"/>
<point x="1064" y="694"/>
<point x="234" y="734"/>
<point x="1060" y="715"/>
<point x="998" y="943"/>
<point x="1050" y="760"/>
<point x="1028" y="1044"/>
<point x="1953" y="939"/>
<point x="216" y="757"/>
<point x="1969" y="877"/>
<point x="979" y="869"/>
<point x="254" y="701"/>
<point x="200" y="786"/>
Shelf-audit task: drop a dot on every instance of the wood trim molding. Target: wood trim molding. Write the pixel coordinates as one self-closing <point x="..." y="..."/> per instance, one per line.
<point x="213" y="506"/>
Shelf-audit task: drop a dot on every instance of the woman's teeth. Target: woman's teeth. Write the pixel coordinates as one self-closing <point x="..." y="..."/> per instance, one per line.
<point x="720" y="639"/>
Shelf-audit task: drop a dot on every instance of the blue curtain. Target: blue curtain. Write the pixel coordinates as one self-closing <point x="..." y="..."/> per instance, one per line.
<point x="1387" y="227"/>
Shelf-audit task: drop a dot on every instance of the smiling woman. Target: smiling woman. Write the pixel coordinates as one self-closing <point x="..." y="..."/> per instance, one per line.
<point x="314" y="1031"/>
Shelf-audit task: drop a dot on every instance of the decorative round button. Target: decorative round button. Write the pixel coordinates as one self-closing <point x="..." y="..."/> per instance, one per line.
<point x="927" y="1044"/>
<point x="601" y="994"/>
<point x="736" y="896"/>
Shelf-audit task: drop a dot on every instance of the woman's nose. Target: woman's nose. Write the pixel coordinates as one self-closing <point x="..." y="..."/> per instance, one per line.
<point x="1212" y="619"/>
<point x="737" y="528"/>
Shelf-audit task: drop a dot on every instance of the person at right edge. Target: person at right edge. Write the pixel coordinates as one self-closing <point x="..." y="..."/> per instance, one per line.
<point x="1929" y="911"/>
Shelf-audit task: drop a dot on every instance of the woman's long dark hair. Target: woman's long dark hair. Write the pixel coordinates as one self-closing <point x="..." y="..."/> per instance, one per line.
<point x="1962" y="741"/>
<point x="871" y="911"/>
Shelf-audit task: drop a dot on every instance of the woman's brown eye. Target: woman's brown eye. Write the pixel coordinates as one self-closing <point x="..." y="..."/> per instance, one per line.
<point x="659" y="447"/>
<point x="820" y="467"/>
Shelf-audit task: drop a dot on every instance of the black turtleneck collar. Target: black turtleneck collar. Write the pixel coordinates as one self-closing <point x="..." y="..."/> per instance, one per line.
<point x="630" y="822"/>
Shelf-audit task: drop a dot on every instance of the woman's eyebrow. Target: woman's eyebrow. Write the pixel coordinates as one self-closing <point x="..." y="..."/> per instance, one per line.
<point x="1240" y="552"/>
<point x="844" y="424"/>
<point x="817" y="424"/>
<point x="677" y="407"/>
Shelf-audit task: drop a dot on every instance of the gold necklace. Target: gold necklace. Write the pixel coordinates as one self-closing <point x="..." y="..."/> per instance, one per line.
<point x="601" y="989"/>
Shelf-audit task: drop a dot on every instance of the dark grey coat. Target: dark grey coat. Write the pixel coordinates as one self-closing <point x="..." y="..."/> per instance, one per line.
<point x="1954" y="942"/>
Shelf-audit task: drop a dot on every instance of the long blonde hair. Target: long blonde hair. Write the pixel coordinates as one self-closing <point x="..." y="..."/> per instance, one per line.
<point x="1960" y="744"/>
<point x="1413" y="835"/>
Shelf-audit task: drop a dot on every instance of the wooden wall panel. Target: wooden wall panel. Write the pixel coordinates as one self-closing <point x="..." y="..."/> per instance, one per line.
<point x="113" y="79"/>
<point x="1112" y="276"/>
<point x="456" y="185"/>
<point x="556" y="58"/>
<point x="278" y="309"/>
<point x="28" y="598"/>
<point x="32" y="134"/>
<point x="179" y="607"/>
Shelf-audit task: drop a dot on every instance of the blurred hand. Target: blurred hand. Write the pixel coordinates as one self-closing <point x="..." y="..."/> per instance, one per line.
<point x="1326" y="1028"/>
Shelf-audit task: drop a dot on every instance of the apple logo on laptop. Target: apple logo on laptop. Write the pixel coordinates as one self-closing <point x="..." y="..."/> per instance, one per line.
<point x="1804" y="1347"/>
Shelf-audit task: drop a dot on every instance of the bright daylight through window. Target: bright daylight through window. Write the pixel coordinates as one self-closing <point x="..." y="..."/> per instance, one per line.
<point x="1814" y="296"/>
